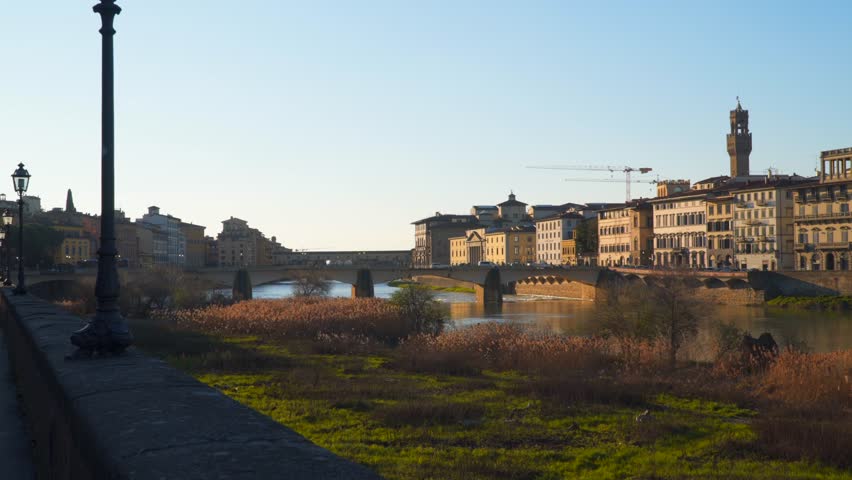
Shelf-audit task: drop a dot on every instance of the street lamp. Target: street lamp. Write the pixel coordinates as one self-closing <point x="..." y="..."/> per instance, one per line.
<point x="7" y="219"/>
<point x="21" y="181"/>
<point x="106" y="331"/>
<point x="3" y="245"/>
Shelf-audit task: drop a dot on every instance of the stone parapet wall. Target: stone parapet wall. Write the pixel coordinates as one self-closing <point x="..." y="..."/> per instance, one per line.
<point x="572" y="290"/>
<point x="730" y="296"/>
<point x="133" y="416"/>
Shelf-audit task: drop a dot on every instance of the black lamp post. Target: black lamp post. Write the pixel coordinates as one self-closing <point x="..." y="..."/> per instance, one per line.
<point x="21" y="181"/>
<point x="7" y="223"/>
<point x="106" y="331"/>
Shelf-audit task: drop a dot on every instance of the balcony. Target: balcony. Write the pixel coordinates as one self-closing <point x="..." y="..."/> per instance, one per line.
<point x="833" y="246"/>
<point x="804" y="247"/>
<point x="825" y="216"/>
<point x="761" y="203"/>
<point x="754" y="222"/>
<point x="797" y="198"/>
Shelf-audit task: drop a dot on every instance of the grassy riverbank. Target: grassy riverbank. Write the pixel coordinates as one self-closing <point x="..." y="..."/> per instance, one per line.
<point x="826" y="302"/>
<point x="410" y="284"/>
<point x="495" y="402"/>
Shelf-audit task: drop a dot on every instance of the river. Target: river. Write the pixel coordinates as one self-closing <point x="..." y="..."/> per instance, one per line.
<point x="820" y="331"/>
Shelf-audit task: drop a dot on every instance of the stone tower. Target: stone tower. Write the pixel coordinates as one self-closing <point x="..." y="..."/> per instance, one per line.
<point x="69" y="203"/>
<point x="739" y="141"/>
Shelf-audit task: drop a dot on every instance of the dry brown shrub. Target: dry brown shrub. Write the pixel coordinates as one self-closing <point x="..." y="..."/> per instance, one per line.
<point x="799" y="438"/>
<point x="336" y="343"/>
<point x="813" y="382"/>
<point x="75" y="307"/>
<point x="504" y="347"/>
<point x="297" y="318"/>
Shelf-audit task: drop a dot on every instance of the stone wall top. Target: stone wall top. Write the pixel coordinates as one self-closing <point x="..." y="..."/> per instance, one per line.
<point x="133" y="416"/>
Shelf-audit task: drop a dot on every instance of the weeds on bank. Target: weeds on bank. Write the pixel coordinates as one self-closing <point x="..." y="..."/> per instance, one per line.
<point x="495" y="401"/>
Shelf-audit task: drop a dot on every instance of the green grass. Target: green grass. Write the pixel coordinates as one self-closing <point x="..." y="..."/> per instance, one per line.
<point x="825" y="302"/>
<point x="410" y="284"/>
<point x="490" y="425"/>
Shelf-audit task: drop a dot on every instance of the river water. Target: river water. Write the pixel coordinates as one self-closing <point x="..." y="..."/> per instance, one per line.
<point x="820" y="331"/>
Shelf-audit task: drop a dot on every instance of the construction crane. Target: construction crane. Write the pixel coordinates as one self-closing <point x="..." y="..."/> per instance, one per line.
<point x="612" y="180"/>
<point x="601" y="168"/>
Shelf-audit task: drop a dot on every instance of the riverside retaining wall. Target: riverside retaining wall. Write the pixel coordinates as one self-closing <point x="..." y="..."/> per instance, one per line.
<point x="134" y="417"/>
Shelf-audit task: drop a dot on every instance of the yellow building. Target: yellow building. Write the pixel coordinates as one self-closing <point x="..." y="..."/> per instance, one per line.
<point x="75" y="247"/>
<point x="506" y="246"/>
<point x="625" y="235"/>
<point x="569" y="252"/>
<point x="458" y="251"/>
<point x="821" y="215"/>
<point x="196" y="245"/>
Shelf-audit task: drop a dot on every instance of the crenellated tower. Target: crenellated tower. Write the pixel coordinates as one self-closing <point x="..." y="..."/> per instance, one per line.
<point x="739" y="141"/>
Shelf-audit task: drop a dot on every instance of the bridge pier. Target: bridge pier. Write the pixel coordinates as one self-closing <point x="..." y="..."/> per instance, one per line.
<point x="363" y="287"/>
<point x="491" y="292"/>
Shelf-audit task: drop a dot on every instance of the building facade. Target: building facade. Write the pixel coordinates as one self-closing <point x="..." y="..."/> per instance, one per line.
<point x="550" y="232"/>
<point x="822" y="218"/>
<point x="569" y="252"/>
<point x="170" y="231"/>
<point x="763" y="225"/>
<point x="512" y="211"/>
<point x="237" y="244"/>
<point x="625" y="235"/>
<point x="720" y="230"/>
<point x="196" y="245"/>
<point x="510" y="245"/>
<point x="680" y="230"/>
<point x="432" y="237"/>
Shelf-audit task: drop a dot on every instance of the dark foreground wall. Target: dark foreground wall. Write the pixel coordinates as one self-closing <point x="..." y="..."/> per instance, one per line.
<point x="135" y="417"/>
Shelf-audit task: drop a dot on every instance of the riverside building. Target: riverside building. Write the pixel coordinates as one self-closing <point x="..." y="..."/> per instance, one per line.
<point x="822" y="218"/>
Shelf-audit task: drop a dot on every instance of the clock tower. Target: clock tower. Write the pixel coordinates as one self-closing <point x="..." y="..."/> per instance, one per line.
<point x="739" y="142"/>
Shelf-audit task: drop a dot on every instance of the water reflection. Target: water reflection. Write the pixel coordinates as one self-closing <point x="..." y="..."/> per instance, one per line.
<point x="821" y="331"/>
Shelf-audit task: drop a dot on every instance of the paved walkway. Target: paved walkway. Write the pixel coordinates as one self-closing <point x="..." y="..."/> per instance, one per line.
<point x="15" y="459"/>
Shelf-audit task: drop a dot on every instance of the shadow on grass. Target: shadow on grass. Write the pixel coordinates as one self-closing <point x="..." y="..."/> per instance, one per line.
<point x="197" y="352"/>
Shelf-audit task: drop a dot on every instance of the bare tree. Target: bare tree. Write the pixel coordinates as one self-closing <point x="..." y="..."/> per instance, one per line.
<point x="665" y="309"/>
<point x="310" y="284"/>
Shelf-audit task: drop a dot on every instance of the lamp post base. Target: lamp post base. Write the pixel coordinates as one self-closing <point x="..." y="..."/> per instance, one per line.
<point x="106" y="332"/>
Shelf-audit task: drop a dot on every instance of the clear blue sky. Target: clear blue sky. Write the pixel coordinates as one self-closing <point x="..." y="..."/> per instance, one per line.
<point x="336" y="124"/>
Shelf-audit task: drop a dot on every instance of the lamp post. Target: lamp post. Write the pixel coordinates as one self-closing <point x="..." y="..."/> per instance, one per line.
<point x="21" y="181"/>
<point x="7" y="222"/>
<point x="107" y="331"/>
<point x="2" y="258"/>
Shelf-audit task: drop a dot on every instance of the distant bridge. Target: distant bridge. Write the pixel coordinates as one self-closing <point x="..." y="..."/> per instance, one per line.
<point x="488" y="282"/>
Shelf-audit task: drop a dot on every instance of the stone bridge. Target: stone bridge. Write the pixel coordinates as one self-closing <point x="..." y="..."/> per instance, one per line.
<point x="489" y="282"/>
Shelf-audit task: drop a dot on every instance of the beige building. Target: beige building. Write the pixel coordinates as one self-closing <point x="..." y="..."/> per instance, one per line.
<point x="763" y="225"/>
<point x="511" y="245"/>
<point x="512" y="211"/>
<point x="680" y="230"/>
<point x="822" y="218"/>
<point x="625" y="235"/>
<point x="550" y="232"/>
<point x="720" y="230"/>
<point x="242" y="246"/>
